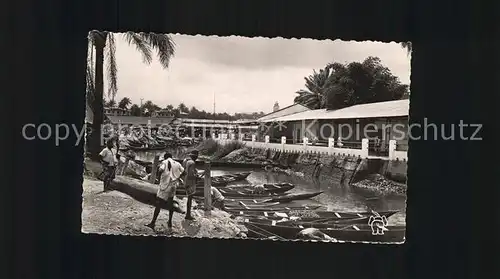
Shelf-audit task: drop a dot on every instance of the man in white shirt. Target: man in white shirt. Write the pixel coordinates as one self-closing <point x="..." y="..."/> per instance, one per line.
<point x="109" y="160"/>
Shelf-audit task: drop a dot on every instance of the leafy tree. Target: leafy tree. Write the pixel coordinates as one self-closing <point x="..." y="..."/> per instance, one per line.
<point x="183" y="108"/>
<point x="110" y="104"/>
<point x="149" y="107"/>
<point x="169" y="108"/>
<point x="337" y="85"/>
<point x="124" y="103"/>
<point x="103" y="43"/>
<point x="135" y="110"/>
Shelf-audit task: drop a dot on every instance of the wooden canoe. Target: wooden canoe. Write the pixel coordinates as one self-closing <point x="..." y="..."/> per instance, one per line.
<point x="317" y="223"/>
<point x="331" y="215"/>
<point x="139" y="190"/>
<point x="295" y="197"/>
<point x="270" y="199"/>
<point x="244" y="190"/>
<point x="349" y="232"/>
<point x="268" y="207"/>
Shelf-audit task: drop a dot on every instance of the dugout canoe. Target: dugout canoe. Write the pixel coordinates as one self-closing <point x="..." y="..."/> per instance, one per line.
<point x="349" y="232"/>
<point x="139" y="190"/>
<point x="295" y="197"/>
<point x="269" y="207"/>
<point x="269" y="199"/>
<point x="332" y="215"/>
<point x="244" y="190"/>
<point x="317" y="223"/>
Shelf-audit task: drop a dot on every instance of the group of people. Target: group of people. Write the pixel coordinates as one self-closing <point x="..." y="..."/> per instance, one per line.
<point x="172" y="175"/>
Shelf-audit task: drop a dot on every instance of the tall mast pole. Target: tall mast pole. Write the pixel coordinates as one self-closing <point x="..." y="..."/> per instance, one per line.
<point x="214" y="107"/>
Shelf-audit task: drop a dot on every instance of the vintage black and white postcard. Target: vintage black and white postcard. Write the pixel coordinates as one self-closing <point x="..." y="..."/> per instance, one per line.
<point x="253" y="138"/>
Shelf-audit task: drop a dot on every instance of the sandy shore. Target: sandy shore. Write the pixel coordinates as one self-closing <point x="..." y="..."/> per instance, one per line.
<point x="117" y="213"/>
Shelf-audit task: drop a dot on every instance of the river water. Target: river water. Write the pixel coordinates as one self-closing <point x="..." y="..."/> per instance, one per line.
<point x="334" y="197"/>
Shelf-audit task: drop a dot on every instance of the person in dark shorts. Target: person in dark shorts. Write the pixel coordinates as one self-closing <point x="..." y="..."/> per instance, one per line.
<point x="109" y="160"/>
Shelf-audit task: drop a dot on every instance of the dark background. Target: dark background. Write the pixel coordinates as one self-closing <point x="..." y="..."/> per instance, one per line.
<point x="454" y="75"/>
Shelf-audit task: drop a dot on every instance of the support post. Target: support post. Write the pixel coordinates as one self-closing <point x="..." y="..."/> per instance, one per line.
<point x="152" y="178"/>
<point x="364" y="148"/>
<point x="392" y="150"/>
<point x="207" y="188"/>
<point x="283" y="143"/>
<point x="331" y="142"/>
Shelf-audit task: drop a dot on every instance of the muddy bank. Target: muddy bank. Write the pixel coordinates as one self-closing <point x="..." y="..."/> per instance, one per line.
<point x="117" y="213"/>
<point x="380" y="185"/>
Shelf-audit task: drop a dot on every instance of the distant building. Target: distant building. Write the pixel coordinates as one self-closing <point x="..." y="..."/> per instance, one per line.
<point x="127" y="120"/>
<point x="116" y="111"/>
<point x="385" y="120"/>
<point x="276" y="107"/>
<point x="161" y="113"/>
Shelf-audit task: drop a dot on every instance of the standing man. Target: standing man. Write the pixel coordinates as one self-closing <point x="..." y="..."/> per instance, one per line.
<point x="171" y="172"/>
<point x="109" y="160"/>
<point x="190" y="180"/>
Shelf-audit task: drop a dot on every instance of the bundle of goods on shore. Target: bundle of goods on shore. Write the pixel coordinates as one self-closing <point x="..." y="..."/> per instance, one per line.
<point x="267" y="212"/>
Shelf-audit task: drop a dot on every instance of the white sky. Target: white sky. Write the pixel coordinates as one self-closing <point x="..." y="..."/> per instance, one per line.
<point x="246" y="74"/>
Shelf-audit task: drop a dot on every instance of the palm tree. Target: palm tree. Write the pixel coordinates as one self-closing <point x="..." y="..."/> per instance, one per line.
<point x="104" y="43"/>
<point x="124" y="103"/>
<point x="407" y="46"/>
<point x="110" y="104"/>
<point x="319" y="87"/>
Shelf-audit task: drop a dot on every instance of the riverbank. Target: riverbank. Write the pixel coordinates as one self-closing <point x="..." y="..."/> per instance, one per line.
<point x="378" y="176"/>
<point x="117" y="213"/>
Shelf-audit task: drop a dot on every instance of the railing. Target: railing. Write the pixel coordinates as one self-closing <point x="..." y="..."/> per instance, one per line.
<point x="362" y="148"/>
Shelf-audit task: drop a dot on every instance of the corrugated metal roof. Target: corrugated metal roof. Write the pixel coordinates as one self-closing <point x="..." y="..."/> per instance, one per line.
<point x="372" y="110"/>
<point x="292" y="109"/>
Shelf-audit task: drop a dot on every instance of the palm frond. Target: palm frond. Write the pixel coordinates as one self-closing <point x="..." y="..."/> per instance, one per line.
<point x="89" y="92"/>
<point x="163" y="44"/>
<point x="111" y="70"/>
<point x="142" y="46"/>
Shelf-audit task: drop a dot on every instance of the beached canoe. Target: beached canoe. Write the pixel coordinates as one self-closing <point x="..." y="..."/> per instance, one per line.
<point x="349" y="232"/>
<point x="139" y="190"/>
<point x="330" y="215"/>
